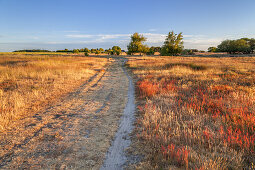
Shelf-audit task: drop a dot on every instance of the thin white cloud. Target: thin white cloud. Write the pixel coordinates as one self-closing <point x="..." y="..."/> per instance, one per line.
<point x="154" y="38"/>
<point x="95" y="41"/>
<point x="187" y="36"/>
<point x="35" y="38"/>
<point x="100" y="36"/>
<point x="202" y="42"/>
<point x="70" y="31"/>
<point x="151" y="37"/>
<point x="112" y="36"/>
<point x="79" y="36"/>
<point x="152" y="30"/>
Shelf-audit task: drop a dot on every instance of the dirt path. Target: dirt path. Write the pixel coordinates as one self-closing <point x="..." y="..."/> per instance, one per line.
<point x="116" y="157"/>
<point x="77" y="132"/>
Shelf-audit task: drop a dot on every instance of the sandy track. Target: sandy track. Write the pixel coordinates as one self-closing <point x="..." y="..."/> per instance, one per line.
<point x="116" y="157"/>
<point x="76" y="133"/>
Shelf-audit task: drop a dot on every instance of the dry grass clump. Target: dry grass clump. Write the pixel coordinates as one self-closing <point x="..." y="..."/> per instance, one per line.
<point x="196" y="113"/>
<point x="27" y="83"/>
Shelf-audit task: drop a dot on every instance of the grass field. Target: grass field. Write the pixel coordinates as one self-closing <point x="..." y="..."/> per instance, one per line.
<point x="195" y="112"/>
<point x="29" y="83"/>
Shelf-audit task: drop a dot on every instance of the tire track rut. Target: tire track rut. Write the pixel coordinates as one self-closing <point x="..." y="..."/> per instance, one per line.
<point x="76" y="132"/>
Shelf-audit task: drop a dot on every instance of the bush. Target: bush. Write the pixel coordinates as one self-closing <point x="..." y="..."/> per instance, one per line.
<point x="188" y="52"/>
<point x="116" y="50"/>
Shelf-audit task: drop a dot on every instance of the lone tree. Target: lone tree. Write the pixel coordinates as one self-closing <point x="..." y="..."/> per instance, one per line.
<point x="173" y="44"/>
<point x="116" y="50"/>
<point x="136" y="45"/>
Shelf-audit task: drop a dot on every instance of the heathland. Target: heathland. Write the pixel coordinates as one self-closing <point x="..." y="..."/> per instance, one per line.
<point x="30" y="82"/>
<point x="192" y="112"/>
<point x="195" y="112"/>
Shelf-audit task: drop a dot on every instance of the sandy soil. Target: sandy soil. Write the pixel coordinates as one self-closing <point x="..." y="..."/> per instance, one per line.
<point x="76" y="133"/>
<point x="117" y="157"/>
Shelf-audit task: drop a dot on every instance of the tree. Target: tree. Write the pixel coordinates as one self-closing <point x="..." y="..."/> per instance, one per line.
<point x="189" y="51"/>
<point x="235" y="46"/>
<point x="101" y="50"/>
<point x="93" y="50"/>
<point x="136" y="44"/>
<point x="97" y="52"/>
<point x="240" y="45"/>
<point x="173" y="44"/>
<point x="252" y="45"/>
<point x="251" y="42"/>
<point x="157" y="49"/>
<point x="145" y="49"/>
<point x="224" y="46"/>
<point x="76" y="51"/>
<point x="86" y="54"/>
<point x="212" y="49"/>
<point x="108" y="51"/>
<point x="153" y="49"/>
<point x="116" y="50"/>
<point x="86" y="50"/>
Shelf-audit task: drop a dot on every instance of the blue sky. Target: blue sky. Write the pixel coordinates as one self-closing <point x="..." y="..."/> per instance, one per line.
<point x="59" y="24"/>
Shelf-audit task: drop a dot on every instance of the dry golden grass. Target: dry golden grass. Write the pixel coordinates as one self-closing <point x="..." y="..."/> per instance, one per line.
<point x="28" y="83"/>
<point x="195" y="112"/>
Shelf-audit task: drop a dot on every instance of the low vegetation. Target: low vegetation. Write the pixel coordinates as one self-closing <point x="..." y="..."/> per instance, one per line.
<point x="195" y="113"/>
<point x="28" y="83"/>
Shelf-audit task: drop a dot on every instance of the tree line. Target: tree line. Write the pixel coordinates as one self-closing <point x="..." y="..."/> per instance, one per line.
<point x="173" y="45"/>
<point x="242" y="45"/>
<point x="33" y="50"/>
<point x="115" y="50"/>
